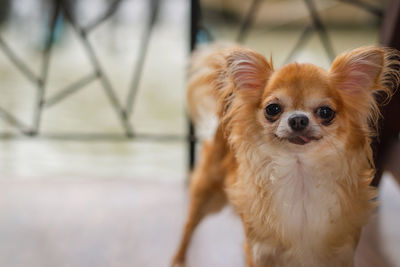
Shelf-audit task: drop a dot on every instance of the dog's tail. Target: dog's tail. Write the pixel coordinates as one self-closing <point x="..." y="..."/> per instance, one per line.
<point x="207" y="65"/>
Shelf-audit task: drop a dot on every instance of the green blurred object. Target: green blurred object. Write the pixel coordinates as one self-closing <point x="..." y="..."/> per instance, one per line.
<point x="5" y="8"/>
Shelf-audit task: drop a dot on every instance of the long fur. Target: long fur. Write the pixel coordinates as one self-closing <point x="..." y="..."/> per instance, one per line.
<point x="301" y="205"/>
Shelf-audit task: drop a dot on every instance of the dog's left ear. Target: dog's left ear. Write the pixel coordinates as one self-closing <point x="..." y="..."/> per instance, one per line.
<point x="358" y="71"/>
<point x="361" y="73"/>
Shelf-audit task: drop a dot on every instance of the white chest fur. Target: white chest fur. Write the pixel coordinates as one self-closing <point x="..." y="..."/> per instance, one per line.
<point x="298" y="202"/>
<point x="303" y="206"/>
<point x="303" y="196"/>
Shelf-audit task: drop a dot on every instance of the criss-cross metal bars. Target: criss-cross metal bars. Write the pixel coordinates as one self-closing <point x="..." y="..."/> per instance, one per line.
<point x="122" y="110"/>
<point x="315" y="26"/>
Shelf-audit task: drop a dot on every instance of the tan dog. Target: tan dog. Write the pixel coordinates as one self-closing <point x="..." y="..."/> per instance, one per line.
<point x="291" y="151"/>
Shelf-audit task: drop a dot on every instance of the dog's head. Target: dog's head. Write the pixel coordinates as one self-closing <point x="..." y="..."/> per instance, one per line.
<point x="302" y="105"/>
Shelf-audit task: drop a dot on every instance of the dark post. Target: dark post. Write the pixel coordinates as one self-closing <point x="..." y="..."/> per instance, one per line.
<point x="387" y="145"/>
<point x="194" y="29"/>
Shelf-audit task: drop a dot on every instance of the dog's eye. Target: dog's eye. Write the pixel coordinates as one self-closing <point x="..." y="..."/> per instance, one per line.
<point x="325" y="113"/>
<point x="272" y="110"/>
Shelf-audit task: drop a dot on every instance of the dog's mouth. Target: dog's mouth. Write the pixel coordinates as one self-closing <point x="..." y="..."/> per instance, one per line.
<point x="300" y="139"/>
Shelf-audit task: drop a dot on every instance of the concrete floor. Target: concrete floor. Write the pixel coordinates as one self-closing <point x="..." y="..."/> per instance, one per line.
<point x="127" y="222"/>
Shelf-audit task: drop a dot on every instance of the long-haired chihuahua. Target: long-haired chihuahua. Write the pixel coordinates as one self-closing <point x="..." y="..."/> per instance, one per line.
<point x="291" y="152"/>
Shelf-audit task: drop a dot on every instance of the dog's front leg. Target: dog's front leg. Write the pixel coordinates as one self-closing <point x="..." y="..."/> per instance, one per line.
<point x="249" y="257"/>
<point x="258" y="254"/>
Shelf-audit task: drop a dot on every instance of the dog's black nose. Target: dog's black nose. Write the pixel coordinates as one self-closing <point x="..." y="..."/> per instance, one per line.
<point x="298" y="122"/>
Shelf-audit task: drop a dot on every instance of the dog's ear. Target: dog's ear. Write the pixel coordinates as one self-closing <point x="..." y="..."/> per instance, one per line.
<point x="243" y="79"/>
<point x="249" y="70"/>
<point x="358" y="71"/>
<point x="360" y="74"/>
<point x="241" y="83"/>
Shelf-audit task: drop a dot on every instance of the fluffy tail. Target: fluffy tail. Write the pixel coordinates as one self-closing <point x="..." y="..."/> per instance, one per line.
<point x="207" y="65"/>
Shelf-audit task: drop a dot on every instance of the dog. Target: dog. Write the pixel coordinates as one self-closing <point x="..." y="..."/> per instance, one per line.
<point x="291" y="151"/>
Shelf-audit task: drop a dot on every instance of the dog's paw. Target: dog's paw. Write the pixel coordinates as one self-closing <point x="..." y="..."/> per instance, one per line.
<point x="178" y="263"/>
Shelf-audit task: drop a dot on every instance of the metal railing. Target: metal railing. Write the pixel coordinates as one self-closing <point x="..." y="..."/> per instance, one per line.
<point x="122" y="110"/>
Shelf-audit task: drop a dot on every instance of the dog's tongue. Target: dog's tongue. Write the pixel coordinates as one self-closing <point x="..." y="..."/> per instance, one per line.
<point x="304" y="138"/>
<point x="300" y="140"/>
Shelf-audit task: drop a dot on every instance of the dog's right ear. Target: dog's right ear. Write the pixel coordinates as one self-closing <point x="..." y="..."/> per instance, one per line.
<point x="244" y="78"/>
<point x="243" y="81"/>
<point x="249" y="70"/>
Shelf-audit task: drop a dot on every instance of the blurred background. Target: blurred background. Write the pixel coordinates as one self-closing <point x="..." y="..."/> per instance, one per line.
<point x="94" y="137"/>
